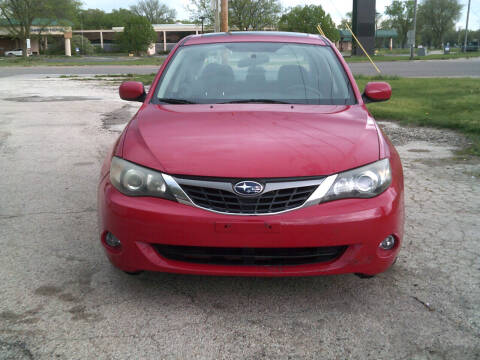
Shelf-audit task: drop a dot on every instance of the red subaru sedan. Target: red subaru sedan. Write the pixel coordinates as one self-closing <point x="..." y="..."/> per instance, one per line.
<point x="253" y="154"/>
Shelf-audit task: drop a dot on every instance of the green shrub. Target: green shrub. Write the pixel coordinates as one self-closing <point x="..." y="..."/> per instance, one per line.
<point x="137" y="35"/>
<point x="85" y="47"/>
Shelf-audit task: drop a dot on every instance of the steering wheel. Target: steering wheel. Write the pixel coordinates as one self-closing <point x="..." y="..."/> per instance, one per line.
<point x="294" y="88"/>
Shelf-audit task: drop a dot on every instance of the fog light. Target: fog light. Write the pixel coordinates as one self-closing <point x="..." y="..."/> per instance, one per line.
<point x="388" y="243"/>
<point x="112" y="241"/>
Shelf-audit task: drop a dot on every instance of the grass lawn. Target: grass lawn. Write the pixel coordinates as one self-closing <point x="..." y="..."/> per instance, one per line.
<point x="394" y="51"/>
<point x="451" y="103"/>
<point x="146" y="79"/>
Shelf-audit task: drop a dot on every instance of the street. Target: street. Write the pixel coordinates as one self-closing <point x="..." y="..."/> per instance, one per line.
<point x="62" y="299"/>
<point x="422" y="68"/>
<point x="416" y="68"/>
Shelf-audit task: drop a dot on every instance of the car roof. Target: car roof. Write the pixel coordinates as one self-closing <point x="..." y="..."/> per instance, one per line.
<point x="256" y="36"/>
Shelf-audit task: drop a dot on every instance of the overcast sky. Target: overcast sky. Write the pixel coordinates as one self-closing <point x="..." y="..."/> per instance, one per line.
<point x="336" y="8"/>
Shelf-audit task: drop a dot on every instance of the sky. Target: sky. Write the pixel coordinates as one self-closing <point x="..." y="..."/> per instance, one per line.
<point x="336" y="8"/>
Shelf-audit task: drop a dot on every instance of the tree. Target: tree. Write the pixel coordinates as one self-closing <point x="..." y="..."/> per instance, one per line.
<point x="346" y="21"/>
<point x="137" y="35"/>
<point x="59" y="11"/>
<point x="400" y="17"/>
<point x="378" y="20"/>
<point x="91" y="19"/>
<point x="253" y="14"/>
<point x="55" y="13"/>
<point x="99" y="19"/>
<point x="154" y="11"/>
<point x="199" y="9"/>
<point x="20" y="15"/>
<point x="306" y="18"/>
<point x="437" y="17"/>
<point x="118" y="17"/>
<point x="83" y="44"/>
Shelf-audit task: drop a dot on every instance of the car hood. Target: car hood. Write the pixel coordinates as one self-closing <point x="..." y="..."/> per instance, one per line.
<point x="251" y="140"/>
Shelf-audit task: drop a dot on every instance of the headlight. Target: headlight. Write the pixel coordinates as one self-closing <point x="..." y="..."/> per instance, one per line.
<point x="364" y="182"/>
<point x="134" y="180"/>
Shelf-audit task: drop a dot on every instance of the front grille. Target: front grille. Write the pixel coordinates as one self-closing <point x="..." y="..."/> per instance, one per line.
<point x="249" y="256"/>
<point x="229" y="202"/>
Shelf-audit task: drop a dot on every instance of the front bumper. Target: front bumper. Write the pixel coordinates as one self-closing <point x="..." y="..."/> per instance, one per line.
<point x="359" y="224"/>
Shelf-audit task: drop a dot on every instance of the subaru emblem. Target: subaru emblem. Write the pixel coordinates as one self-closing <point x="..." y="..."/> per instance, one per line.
<point x="248" y="188"/>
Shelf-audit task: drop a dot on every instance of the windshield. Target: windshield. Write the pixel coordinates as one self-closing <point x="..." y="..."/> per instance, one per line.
<point x="255" y="72"/>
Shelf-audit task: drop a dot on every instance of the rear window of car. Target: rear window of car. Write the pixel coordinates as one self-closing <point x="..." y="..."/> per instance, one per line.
<point x="257" y="72"/>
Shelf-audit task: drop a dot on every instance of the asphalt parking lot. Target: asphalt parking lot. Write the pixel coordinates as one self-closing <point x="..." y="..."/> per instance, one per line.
<point x="61" y="299"/>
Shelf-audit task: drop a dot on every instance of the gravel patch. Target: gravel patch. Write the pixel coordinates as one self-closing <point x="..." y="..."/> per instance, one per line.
<point x="401" y="135"/>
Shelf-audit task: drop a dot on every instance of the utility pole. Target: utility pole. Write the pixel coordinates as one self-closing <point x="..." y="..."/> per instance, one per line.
<point x="466" y="28"/>
<point x="224" y="23"/>
<point x="202" y="18"/>
<point x="216" y="11"/>
<point x="412" y="46"/>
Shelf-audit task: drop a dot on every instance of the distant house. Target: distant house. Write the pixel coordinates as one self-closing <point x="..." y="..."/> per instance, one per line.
<point x="345" y="42"/>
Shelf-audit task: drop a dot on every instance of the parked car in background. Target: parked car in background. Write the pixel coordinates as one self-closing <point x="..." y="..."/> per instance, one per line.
<point x="16" y="52"/>
<point x="253" y="154"/>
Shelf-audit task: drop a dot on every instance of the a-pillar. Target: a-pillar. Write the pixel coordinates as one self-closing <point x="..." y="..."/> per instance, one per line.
<point x="68" y="50"/>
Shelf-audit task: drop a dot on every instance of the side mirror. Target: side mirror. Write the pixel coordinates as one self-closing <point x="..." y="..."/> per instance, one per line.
<point x="132" y="91"/>
<point x="377" y="91"/>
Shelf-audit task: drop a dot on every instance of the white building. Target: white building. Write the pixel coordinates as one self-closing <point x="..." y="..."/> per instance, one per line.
<point x="167" y="35"/>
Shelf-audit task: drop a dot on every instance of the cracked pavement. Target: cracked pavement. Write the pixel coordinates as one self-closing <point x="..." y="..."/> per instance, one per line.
<point x="60" y="298"/>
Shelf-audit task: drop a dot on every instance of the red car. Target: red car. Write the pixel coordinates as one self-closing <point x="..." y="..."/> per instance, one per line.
<point x="253" y="154"/>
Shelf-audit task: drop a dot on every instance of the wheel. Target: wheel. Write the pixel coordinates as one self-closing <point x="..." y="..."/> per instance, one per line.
<point x="364" y="276"/>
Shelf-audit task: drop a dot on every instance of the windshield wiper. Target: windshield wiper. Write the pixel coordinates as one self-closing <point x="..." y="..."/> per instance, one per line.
<point x="264" y="101"/>
<point x="175" y="101"/>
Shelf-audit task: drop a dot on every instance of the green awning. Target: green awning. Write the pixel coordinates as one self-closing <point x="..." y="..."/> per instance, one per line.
<point x="379" y="34"/>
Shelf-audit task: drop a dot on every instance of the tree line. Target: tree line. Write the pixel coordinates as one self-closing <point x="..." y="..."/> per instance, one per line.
<point x="436" y="19"/>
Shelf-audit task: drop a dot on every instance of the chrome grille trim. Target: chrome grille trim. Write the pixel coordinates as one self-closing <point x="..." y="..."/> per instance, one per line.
<point x="174" y="184"/>
<point x="269" y="186"/>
